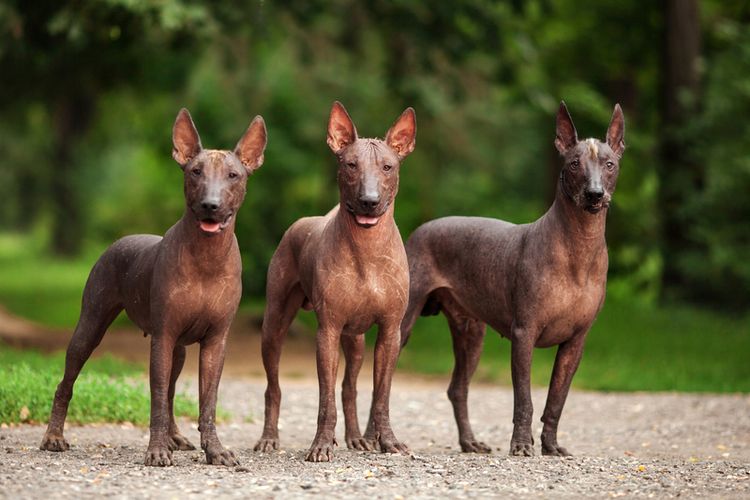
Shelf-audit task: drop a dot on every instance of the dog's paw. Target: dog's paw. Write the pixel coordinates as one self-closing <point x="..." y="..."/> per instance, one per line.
<point x="178" y="442"/>
<point x="54" y="443"/>
<point x="555" y="451"/>
<point x="321" y="451"/>
<point x="359" y="443"/>
<point x="221" y="456"/>
<point x="394" y="446"/>
<point x="158" y="456"/>
<point x="474" y="446"/>
<point x="518" y="449"/>
<point x="266" y="444"/>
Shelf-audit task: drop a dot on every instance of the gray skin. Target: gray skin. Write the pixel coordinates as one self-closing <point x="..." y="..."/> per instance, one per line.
<point x="540" y="284"/>
<point x="350" y="267"/>
<point x="180" y="289"/>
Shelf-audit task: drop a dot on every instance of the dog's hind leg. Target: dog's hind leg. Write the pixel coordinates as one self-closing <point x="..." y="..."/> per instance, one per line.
<point x="354" y="349"/>
<point x="100" y="306"/>
<point x="468" y="339"/>
<point x="281" y="307"/>
<point x="176" y="440"/>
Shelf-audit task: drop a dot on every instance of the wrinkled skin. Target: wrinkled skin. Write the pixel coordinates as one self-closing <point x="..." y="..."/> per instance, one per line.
<point x="540" y="284"/>
<point x="179" y="289"/>
<point x="350" y="267"/>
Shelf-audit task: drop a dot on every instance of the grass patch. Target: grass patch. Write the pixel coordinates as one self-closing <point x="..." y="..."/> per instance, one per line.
<point x="108" y="390"/>
<point x="630" y="348"/>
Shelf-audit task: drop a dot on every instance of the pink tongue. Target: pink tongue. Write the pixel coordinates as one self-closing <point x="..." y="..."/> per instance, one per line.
<point x="367" y="221"/>
<point x="210" y="227"/>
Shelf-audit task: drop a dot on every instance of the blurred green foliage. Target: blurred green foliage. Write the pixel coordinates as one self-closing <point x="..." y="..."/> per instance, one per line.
<point x="484" y="77"/>
<point x="631" y="347"/>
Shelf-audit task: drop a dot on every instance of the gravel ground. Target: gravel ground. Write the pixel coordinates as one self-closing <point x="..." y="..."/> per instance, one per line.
<point x="634" y="445"/>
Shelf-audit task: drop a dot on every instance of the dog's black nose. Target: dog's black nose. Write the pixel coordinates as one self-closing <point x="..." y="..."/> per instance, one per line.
<point x="594" y="195"/>
<point x="369" y="201"/>
<point x="211" y="205"/>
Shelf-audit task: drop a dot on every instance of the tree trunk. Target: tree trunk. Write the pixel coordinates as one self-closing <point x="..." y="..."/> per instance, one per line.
<point x="72" y="118"/>
<point x="679" y="174"/>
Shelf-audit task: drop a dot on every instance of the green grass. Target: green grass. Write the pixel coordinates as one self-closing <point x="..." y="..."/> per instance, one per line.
<point x="108" y="390"/>
<point x="630" y="348"/>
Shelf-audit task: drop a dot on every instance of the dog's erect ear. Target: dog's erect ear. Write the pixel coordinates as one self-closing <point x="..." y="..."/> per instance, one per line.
<point x="251" y="145"/>
<point x="186" y="143"/>
<point x="341" y="129"/>
<point x="566" y="137"/>
<point x="616" y="131"/>
<point x="402" y="136"/>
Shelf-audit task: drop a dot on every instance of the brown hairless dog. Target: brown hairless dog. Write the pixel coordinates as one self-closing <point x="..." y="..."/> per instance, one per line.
<point x="180" y="289"/>
<point x="350" y="267"/>
<point x="540" y="284"/>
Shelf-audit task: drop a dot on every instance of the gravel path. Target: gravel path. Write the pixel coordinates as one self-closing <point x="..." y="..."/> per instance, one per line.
<point x="634" y="445"/>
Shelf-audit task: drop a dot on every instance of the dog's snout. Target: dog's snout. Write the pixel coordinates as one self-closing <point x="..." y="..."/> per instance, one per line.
<point x="594" y="194"/>
<point x="369" y="200"/>
<point x="211" y="204"/>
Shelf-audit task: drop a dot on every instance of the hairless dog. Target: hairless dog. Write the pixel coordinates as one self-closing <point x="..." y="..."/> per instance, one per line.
<point x="540" y="284"/>
<point x="180" y="289"/>
<point x="350" y="267"/>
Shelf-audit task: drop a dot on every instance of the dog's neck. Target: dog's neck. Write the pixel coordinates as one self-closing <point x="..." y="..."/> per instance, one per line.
<point x="206" y="250"/>
<point x="581" y="228"/>
<point x="366" y="241"/>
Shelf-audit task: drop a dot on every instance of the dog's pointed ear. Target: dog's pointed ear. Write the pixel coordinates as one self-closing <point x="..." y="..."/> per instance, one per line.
<point x="616" y="131"/>
<point x="251" y="145"/>
<point x="402" y="136"/>
<point x="186" y="143"/>
<point x="566" y="135"/>
<point x="341" y="129"/>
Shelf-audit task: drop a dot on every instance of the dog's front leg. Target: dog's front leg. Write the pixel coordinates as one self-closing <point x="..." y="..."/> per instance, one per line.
<point x="354" y="350"/>
<point x="212" y="353"/>
<point x="162" y="349"/>
<point x="522" y="348"/>
<point x="566" y="363"/>
<point x="379" y="431"/>
<point x="321" y="449"/>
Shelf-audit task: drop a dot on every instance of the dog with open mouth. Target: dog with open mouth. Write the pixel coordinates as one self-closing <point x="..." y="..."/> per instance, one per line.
<point x="179" y="289"/>
<point x="350" y="267"/>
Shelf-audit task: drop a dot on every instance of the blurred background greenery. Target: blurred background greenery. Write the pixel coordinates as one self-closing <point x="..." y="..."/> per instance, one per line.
<point x="89" y="90"/>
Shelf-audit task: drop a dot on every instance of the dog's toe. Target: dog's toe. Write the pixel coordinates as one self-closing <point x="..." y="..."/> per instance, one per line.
<point x="265" y="445"/>
<point x="522" y="450"/>
<point x="158" y="457"/>
<point x="474" y="446"/>
<point x="222" y="457"/>
<point x="555" y="451"/>
<point x="178" y="442"/>
<point x="54" y="443"/>
<point x="358" y="443"/>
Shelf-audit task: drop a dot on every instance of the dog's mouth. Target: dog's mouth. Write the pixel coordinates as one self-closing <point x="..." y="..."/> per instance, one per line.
<point x="365" y="220"/>
<point x="595" y="208"/>
<point x="211" y="225"/>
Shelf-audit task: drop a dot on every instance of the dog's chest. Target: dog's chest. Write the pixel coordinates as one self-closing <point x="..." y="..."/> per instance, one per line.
<point x="360" y="295"/>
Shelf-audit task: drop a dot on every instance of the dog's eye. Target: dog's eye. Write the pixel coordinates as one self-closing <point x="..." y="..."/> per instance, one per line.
<point x="196" y="172"/>
<point x="610" y="164"/>
<point x="387" y="167"/>
<point x="233" y="175"/>
<point x="351" y="164"/>
<point x="574" y="164"/>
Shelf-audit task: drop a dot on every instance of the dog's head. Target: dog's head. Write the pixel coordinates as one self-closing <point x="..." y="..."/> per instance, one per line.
<point x="591" y="167"/>
<point x="215" y="180"/>
<point x="368" y="168"/>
